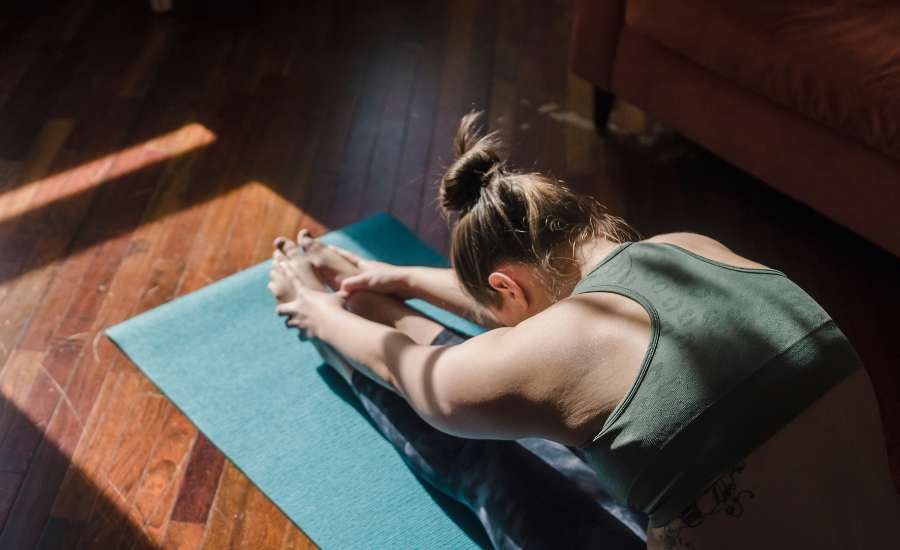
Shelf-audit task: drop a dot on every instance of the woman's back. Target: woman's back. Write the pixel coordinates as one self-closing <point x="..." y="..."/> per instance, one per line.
<point x="820" y="482"/>
<point x="751" y="409"/>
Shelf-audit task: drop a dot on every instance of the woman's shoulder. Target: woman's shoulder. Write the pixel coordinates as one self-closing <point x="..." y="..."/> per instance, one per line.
<point x="706" y="247"/>
<point x="599" y="341"/>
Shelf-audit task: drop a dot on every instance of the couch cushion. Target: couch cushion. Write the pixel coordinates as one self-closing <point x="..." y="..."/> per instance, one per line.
<point x="834" y="61"/>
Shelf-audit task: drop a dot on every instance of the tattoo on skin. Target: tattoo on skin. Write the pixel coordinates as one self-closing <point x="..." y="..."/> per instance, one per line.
<point x="722" y="496"/>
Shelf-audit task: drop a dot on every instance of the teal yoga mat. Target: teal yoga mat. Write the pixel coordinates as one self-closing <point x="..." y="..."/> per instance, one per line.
<point x="288" y="421"/>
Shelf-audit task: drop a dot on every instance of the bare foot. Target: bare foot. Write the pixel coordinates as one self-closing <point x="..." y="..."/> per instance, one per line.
<point x="291" y="270"/>
<point x="331" y="265"/>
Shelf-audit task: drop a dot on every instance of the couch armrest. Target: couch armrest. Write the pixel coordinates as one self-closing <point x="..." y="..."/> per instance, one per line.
<point x="595" y="37"/>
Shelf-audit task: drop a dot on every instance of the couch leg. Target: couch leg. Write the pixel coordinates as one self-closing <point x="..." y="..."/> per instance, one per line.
<point x="603" y="104"/>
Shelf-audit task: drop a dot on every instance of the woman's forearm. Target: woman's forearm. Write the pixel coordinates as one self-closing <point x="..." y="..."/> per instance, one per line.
<point x="364" y="342"/>
<point x="392" y="356"/>
<point x="441" y="287"/>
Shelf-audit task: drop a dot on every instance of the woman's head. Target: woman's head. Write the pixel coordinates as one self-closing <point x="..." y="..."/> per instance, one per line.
<point x="514" y="243"/>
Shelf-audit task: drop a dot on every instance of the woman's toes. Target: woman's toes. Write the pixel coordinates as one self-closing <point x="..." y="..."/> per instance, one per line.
<point x="279" y="284"/>
<point x="307" y="243"/>
<point x="279" y="257"/>
<point x="286" y="246"/>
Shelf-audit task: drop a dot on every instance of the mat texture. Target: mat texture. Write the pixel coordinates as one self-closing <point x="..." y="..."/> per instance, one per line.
<point x="289" y="422"/>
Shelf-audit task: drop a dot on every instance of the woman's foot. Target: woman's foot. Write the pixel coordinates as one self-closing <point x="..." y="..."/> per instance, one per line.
<point x="290" y="272"/>
<point x="293" y="274"/>
<point x="331" y="264"/>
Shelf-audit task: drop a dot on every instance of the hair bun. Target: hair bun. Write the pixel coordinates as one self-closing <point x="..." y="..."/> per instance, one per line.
<point x="477" y="160"/>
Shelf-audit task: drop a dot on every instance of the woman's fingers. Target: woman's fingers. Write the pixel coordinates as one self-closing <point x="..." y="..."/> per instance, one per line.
<point x="287" y="308"/>
<point x="356" y="282"/>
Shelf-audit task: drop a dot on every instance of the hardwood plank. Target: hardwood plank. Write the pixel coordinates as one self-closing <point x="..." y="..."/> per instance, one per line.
<point x="164" y="465"/>
<point x="75" y="497"/>
<point x="280" y="218"/>
<point x="87" y="373"/>
<point x="107" y="523"/>
<point x="209" y="247"/>
<point x="383" y="168"/>
<point x="16" y="380"/>
<point x="183" y="536"/>
<point x="211" y="236"/>
<point x="22" y="296"/>
<point x="228" y="512"/>
<point x="412" y="178"/>
<point x="349" y="57"/>
<point x="57" y="300"/>
<point x="104" y="527"/>
<point x="92" y="455"/>
<point x="452" y="104"/>
<point x="295" y="539"/>
<point x="504" y="80"/>
<point x="529" y="134"/>
<point x="125" y="473"/>
<point x="158" y="523"/>
<point x="350" y="178"/>
<point x="9" y="488"/>
<point x="48" y="467"/>
<point x="283" y="162"/>
<point x="60" y="358"/>
<point x="32" y="417"/>
<point x="16" y="63"/>
<point x="36" y="167"/>
<point x="130" y="459"/>
<point x="58" y="534"/>
<point x="201" y="481"/>
<point x="250" y="215"/>
<point x="19" y="304"/>
<point x="93" y="289"/>
<point x="265" y="525"/>
<point x="143" y="70"/>
<point x="22" y="114"/>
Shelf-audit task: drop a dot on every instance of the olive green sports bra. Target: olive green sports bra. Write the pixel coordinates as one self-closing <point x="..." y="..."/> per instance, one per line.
<point x="735" y="353"/>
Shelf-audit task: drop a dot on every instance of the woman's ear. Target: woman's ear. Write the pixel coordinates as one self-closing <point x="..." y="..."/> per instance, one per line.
<point x="511" y="292"/>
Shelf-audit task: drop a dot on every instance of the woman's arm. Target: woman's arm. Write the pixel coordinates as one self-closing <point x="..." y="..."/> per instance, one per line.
<point x="498" y="385"/>
<point x="438" y="286"/>
<point x="441" y="287"/>
<point x="434" y="380"/>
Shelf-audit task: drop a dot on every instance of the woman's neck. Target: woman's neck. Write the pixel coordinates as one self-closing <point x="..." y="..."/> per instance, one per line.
<point x="591" y="253"/>
<point x="587" y="257"/>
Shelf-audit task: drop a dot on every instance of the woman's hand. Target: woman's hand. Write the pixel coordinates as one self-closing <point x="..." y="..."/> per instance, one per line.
<point x="375" y="276"/>
<point x="310" y="309"/>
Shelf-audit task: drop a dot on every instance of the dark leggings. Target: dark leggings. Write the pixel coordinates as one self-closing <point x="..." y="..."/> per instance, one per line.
<point x="530" y="493"/>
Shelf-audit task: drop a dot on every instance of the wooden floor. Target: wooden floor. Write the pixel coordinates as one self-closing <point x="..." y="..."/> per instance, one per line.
<point x="143" y="157"/>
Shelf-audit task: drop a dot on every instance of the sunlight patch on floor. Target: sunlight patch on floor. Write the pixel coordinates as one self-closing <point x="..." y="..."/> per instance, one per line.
<point x="44" y="191"/>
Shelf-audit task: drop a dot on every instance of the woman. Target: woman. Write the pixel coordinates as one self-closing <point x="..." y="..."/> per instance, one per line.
<point x="703" y="389"/>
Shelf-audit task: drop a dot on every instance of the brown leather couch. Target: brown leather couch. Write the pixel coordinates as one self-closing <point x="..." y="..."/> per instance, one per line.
<point x="804" y="94"/>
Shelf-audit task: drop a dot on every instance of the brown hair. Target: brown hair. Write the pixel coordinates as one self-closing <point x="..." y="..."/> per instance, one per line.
<point x="505" y="215"/>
